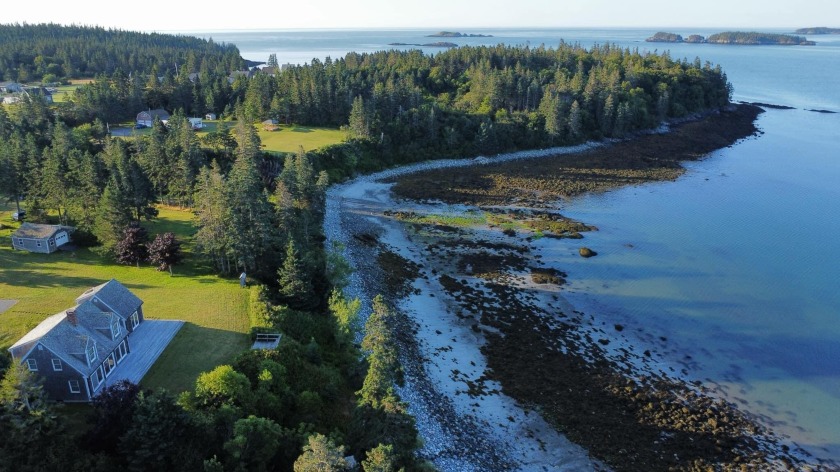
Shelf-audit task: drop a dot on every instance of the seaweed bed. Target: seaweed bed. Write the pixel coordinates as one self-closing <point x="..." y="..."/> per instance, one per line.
<point x="631" y="421"/>
<point x="533" y="183"/>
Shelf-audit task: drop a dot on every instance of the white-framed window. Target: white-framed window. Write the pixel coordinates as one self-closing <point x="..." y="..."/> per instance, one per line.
<point x="135" y="320"/>
<point x="74" y="386"/>
<point x="57" y="365"/>
<point x="20" y="242"/>
<point x="109" y="364"/>
<point x="38" y="243"/>
<point x="96" y="378"/>
<point x="122" y="350"/>
<point x="32" y="364"/>
<point x="116" y="328"/>
<point x="90" y="351"/>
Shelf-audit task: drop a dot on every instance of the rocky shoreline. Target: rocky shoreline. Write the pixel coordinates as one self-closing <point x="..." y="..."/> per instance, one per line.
<point x="464" y="287"/>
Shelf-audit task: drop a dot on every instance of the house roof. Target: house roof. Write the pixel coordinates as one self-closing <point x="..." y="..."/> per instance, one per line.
<point x="68" y="340"/>
<point x="38" y="231"/>
<point x="158" y="113"/>
<point x="112" y="295"/>
<point x="93" y="315"/>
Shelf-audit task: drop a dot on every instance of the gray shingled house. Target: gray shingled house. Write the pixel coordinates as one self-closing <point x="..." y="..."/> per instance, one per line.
<point x="40" y="238"/>
<point x="147" y="118"/>
<point x="75" y="350"/>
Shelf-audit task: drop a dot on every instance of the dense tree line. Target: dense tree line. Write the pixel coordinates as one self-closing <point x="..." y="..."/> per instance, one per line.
<point x="50" y="52"/>
<point x="311" y="400"/>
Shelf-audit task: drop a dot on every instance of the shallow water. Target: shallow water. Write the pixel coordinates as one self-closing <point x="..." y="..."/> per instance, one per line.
<point x="735" y="264"/>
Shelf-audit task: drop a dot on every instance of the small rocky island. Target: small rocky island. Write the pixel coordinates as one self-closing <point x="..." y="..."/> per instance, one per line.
<point x="818" y="30"/>
<point x="453" y="34"/>
<point x="439" y="44"/>
<point x="734" y="37"/>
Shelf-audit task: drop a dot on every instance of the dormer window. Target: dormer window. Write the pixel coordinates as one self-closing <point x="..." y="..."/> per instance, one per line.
<point x="90" y="351"/>
<point x="116" y="329"/>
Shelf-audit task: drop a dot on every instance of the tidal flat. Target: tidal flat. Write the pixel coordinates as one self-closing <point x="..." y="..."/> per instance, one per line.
<point x="491" y="348"/>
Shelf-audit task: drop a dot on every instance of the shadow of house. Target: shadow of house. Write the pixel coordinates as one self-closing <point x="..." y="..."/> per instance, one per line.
<point x="77" y="349"/>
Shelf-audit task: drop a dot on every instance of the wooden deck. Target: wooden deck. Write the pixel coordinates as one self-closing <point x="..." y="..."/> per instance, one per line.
<point x="147" y="343"/>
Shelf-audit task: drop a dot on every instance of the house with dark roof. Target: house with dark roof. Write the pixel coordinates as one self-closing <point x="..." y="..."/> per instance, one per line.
<point x="147" y="118"/>
<point x="40" y="93"/>
<point x="45" y="239"/>
<point x="77" y="349"/>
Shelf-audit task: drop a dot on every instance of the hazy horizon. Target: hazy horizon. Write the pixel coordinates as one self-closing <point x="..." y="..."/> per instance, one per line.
<point x="251" y="15"/>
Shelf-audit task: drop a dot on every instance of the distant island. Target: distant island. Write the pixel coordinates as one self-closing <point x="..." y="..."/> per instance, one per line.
<point x="734" y="37"/>
<point x="439" y="44"/>
<point x="818" y="30"/>
<point x="453" y="34"/>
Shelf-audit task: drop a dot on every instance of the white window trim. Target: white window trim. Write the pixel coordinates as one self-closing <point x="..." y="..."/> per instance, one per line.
<point x="135" y="319"/>
<point x="90" y="351"/>
<point x="98" y="374"/>
<point x="32" y="364"/>
<point x="116" y="329"/>
<point x="56" y="365"/>
<point x="78" y="388"/>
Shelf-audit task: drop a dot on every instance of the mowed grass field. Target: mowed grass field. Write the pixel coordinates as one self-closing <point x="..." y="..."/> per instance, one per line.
<point x="215" y="309"/>
<point x="290" y="138"/>
<point x="286" y="138"/>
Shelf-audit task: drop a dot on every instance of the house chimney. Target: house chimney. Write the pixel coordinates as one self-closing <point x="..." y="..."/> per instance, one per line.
<point x="71" y="317"/>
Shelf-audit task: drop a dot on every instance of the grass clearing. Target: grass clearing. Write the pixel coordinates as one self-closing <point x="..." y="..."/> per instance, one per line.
<point x="215" y="309"/>
<point x="290" y="138"/>
<point x="65" y="92"/>
<point x="286" y="138"/>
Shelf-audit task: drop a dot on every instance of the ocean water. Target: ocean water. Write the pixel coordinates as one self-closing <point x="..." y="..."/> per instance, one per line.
<point x="737" y="263"/>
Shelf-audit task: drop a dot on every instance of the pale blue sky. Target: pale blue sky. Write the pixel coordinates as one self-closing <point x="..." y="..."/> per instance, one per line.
<point x="186" y="15"/>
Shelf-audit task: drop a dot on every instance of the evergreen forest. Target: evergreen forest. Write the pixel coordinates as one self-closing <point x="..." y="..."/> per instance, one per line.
<point x="316" y="398"/>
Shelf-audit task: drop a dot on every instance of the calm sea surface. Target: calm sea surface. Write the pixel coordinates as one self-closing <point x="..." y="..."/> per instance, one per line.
<point x="736" y="264"/>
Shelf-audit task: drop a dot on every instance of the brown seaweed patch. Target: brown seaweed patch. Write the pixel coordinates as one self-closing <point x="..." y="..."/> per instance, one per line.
<point x="547" y="275"/>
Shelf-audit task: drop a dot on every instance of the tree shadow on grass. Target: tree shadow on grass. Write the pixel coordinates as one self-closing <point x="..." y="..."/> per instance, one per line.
<point x="301" y="129"/>
<point x="195" y="349"/>
<point x="36" y="279"/>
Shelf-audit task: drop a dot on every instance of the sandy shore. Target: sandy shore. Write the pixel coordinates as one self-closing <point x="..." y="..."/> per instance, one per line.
<point x="490" y="354"/>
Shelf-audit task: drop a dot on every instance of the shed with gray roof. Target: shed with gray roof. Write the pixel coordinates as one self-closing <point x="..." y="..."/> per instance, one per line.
<point x="45" y="239"/>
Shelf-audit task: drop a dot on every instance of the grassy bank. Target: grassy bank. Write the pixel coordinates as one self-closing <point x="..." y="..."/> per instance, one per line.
<point x="215" y="309"/>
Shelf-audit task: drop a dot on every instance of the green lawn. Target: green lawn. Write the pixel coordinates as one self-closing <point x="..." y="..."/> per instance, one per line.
<point x="215" y="309"/>
<point x="290" y="138"/>
<point x="64" y="92"/>
<point x="284" y="139"/>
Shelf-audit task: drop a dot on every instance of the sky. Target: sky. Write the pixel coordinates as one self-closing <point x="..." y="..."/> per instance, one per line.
<point x="189" y="16"/>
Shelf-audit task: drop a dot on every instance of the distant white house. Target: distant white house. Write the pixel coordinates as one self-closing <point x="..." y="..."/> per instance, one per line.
<point x="11" y="99"/>
<point x="196" y="123"/>
<point x="210" y="116"/>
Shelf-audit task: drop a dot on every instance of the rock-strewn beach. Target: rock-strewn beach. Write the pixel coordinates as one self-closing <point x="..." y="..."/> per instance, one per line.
<point x="498" y="364"/>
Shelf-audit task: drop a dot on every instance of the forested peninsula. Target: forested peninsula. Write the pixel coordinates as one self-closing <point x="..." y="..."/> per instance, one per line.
<point x="261" y="212"/>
